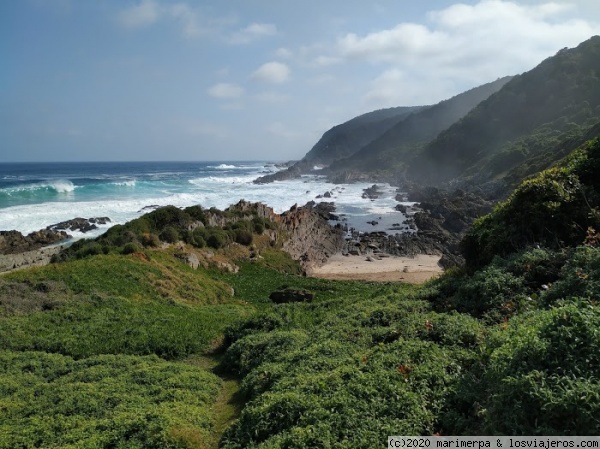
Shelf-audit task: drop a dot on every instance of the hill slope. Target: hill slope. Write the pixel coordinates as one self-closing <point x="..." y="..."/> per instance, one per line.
<point x="344" y="140"/>
<point x="393" y="147"/>
<point x="529" y="114"/>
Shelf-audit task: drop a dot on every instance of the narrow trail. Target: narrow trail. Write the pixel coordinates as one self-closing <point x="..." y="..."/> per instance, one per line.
<point x="228" y="405"/>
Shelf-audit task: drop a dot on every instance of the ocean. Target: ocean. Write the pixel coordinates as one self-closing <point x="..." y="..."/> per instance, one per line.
<point x="36" y="195"/>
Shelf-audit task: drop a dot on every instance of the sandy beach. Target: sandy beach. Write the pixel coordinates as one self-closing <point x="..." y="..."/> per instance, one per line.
<point x="414" y="270"/>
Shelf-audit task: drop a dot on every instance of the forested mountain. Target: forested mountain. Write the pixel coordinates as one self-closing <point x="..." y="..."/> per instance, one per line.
<point x="344" y="140"/>
<point x="558" y="99"/>
<point x="393" y="147"/>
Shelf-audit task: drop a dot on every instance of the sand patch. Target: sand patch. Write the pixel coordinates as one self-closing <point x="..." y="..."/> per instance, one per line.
<point x="414" y="270"/>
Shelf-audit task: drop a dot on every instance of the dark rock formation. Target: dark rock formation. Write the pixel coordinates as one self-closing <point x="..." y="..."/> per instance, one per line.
<point x="79" y="224"/>
<point x="13" y="242"/>
<point x="372" y="192"/>
<point x="444" y="217"/>
<point x="295" y="171"/>
<point x="288" y="295"/>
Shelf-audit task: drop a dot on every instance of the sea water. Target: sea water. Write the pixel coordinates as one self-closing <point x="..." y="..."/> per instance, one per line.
<point x="36" y="195"/>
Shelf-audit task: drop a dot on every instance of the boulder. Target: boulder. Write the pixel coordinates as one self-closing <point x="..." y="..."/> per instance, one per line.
<point x="288" y="295"/>
<point x="190" y="259"/>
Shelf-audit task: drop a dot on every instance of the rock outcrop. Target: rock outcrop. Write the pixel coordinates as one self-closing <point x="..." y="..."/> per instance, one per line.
<point x="36" y="257"/>
<point x="311" y="239"/>
<point x="79" y="224"/>
<point x="444" y="217"/>
<point x="13" y="242"/>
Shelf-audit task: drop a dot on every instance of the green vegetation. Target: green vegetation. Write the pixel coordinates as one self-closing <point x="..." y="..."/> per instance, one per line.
<point x="389" y="152"/>
<point x="169" y="225"/>
<point x="554" y="209"/>
<point x="84" y="348"/>
<point x="50" y="400"/>
<point x="518" y="126"/>
<point x="124" y="344"/>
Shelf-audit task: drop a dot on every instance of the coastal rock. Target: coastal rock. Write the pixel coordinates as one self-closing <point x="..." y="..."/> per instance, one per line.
<point x="13" y="242"/>
<point x="23" y="259"/>
<point x="372" y="192"/>
<point x="79" y="224"/>
<point x="311" y="239"/>
<point x="292" y="172"/>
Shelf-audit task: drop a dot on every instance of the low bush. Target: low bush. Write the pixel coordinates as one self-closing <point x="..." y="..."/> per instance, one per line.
<point x="542" y="377"/>
<point x="130" y="248"/>
<point x="170" y="235"/>
<point x="50" y="400"/>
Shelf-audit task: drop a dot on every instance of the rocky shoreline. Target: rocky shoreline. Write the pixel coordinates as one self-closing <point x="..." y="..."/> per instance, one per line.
<point x="434" y="226"/>
<point x="37" y="248"/>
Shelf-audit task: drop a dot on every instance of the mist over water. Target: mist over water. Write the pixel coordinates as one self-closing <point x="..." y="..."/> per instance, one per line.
<point x="36" y="195"/>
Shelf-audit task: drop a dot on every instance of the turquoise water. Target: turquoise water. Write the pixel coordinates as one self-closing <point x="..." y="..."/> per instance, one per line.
<point x="36" y="195"/>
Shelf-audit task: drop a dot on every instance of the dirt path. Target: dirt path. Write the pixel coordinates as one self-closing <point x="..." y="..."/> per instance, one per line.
<point x="228" y="405"/>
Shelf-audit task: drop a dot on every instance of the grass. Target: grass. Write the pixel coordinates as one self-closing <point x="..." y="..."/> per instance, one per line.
<point x="153" y="275"/>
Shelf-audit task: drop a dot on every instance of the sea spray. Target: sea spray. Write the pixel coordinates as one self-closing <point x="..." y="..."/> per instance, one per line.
<point x="121" y="191"/>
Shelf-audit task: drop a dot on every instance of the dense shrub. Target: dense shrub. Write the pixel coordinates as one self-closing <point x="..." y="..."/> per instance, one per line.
<point x="150" y="240"/>
<point x="553" y="209"/>
<point x="130" y="248"/>
<point x="217" y="238"/>
<point x="543" y="376"/>
<point x="252" y="350"/>
<point x="263" y="322"/>
<point x="243" y="237"/>
<point x="169" y="235"/>
<point x="580" y="276"/>
<point x="49" y="400"/>
<point x="197" y="213"/>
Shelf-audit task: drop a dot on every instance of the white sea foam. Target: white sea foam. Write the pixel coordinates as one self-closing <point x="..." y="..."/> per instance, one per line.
<point x="212" y="191"/>
<point x="62" y="185"/>
<point x="224" y="167"/>
<point x="129" y="183"/>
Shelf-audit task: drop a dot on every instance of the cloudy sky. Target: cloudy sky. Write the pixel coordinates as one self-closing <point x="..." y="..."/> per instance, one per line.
<point x="248" y="79"/>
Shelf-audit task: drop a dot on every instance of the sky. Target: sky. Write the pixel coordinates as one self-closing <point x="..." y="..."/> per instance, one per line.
<point x="144" y="80"/>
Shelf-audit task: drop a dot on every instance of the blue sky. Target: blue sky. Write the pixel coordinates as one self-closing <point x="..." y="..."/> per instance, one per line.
<point x="248" y="79"/>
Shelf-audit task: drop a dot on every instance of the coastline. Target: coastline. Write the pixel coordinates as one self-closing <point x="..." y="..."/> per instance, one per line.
<point x="413" y="270"/>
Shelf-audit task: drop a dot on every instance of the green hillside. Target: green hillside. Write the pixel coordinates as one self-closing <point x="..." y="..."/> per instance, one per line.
<point x="557" y="100"/>
<point x="391" y="150"/>
<point x="344" y="140"/>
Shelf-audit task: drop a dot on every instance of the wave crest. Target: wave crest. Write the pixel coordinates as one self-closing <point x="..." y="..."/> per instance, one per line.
<point x="60" y="185"/>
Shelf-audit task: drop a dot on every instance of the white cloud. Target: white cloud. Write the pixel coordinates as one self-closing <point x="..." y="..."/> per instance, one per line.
<point x="459" y="47"/>
<point x="283" y="53"/>
<point x="324" y="61"/>
<point x="148" y="12"/>
<point x="145" y="13"/>
<point x="252" y="32"/>
<point x="272" y="72"/>
<point x="188" y="19"/>
<point x="394" y="87"/>
<point x="226" y="90"/>
<point x="491" y="30"/>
